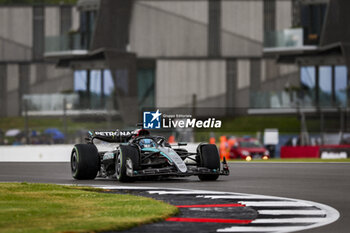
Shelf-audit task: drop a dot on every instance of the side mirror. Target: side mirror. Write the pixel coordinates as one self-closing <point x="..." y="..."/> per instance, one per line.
<point x="182" y="144"/>
<point x="160" y="140"/>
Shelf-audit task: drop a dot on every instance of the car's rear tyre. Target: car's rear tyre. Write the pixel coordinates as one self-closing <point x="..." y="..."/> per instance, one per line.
<point x="128" y="157"/>
<point x="84" y="162"/>
<point x="208" y="156"/>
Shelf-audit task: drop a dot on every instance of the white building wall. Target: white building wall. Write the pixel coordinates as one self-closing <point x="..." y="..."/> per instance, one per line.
<point x="13" y="103"/>
<point x="178" y="80"/>
<point x="12" y="90"/>
<point x="12" y="77"/>
<point x="283" y="14"/>
<point x="243" y="73"/>
<point x="16" y="24"/>
<point x="56" y="73"/>
<point x="242" y="28"/>
<point x="262" y="70"/>
<point x="16" y="36"/>
<point x="52" y="21"/>
<point x="287" y="69"/>
<point x="165" y="29"/>
<point x="32" y="74"/>
<point x="75" y="18"/>
<point x="194" y="10"/>
<point x="16" y="43"/>
<point x="13" y="51"/>
<point x="244" y="18"/>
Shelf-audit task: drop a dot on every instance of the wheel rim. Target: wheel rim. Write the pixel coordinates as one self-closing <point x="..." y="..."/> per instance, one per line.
<point x="118" y="166"/>
<point x="74" y="162"/>
<point x="129" y="164"/>
<point x="129" y="167"/>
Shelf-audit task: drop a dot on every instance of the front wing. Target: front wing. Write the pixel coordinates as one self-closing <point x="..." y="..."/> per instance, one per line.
<point x="173" y="171"/>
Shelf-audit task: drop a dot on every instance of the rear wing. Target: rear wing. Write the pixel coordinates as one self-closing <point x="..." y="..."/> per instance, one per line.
<point x="116" y="136"/>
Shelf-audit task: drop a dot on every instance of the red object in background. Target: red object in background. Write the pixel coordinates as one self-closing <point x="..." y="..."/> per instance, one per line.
<point x="248" y="147"/>
<point x="300" y="152"/>
<point x="212" y="140"/>
<point x="224" y="149"/>
<point x="231" y="142"/>
<point x="171" y="139"/>
<point x="288" y="152"/>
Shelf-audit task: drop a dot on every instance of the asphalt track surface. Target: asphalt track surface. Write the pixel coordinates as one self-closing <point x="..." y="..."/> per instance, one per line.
<point x="326" y="183"/>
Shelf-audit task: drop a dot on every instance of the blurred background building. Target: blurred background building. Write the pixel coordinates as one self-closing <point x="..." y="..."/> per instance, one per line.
<point x="116" y="57"/>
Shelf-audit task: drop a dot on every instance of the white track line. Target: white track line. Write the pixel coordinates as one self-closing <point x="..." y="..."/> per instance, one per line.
<point x="287" y="220"/>
<point x="331" y="214"/>
<point x="184" y="192"/>
<point x="240" y="197"/>
<point x="119" y="187"/>
<point x="269" y="162"/>
<point x="274" y="204"/>
<point x="292" y="212"/>
<point x="259" y="229"/>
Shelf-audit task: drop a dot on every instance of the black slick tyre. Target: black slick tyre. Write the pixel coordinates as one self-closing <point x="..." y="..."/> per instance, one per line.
<point x="208" y="158"/>
<point x="84" y="162"/>
<point x="128" y="157"/>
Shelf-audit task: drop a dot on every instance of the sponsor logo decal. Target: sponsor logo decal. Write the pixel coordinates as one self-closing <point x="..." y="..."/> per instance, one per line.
<point x="124" y="133"/>
<point x="157" y="120"/>
<point x="334" y="155"/>
<point x="191" y="123"/>
<point x="334" y="152"/>
<point x="109" y="134"/>
<point x="151" y="120"/>
<point x="112" y="133"/>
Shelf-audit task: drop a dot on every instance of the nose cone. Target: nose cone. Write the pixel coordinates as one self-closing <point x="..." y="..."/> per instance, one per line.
<point x="179" y="163"/>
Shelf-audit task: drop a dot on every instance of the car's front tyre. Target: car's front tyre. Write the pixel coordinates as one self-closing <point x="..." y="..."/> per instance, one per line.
<point x="126" y="160"/>
<point x="208" y="157"/>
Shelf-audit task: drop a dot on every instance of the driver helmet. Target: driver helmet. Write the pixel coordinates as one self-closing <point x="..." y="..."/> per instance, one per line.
<point x="146" y="143"/>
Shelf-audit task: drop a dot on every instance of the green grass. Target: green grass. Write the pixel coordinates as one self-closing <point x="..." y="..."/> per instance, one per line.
<point x="252" y="124"/>
<point x="36" y="208"/>
<point x="301" y="160"/>
<point x="240" y="125"/>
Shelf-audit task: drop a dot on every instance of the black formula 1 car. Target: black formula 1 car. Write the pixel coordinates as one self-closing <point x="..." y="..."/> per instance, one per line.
<point x="138" y="154"/>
